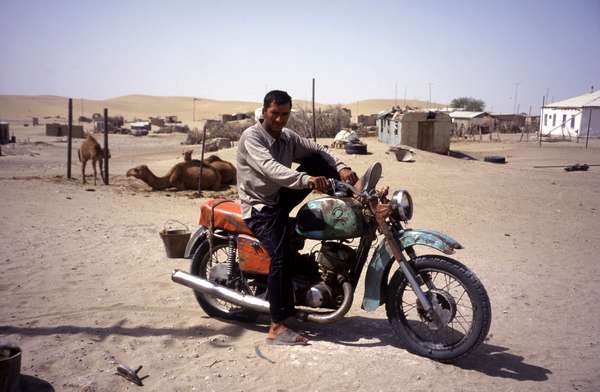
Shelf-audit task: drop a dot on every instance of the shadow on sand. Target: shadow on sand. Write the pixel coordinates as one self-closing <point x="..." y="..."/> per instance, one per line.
<point x="99" y="334"/>
<point x="33" y="384"/>
<point x="494" y="361"/>
<point x="461" y="155"/>
<point x="356" y="331"/>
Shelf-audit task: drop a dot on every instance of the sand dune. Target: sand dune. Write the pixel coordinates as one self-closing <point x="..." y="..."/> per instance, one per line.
<point x="22" y="107"/>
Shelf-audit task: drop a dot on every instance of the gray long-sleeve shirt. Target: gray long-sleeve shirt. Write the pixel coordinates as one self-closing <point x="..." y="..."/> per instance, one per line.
<point x="264" y="165"/>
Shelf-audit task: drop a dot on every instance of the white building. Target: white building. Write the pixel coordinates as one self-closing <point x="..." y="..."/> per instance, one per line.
<point x="572" y="117"/>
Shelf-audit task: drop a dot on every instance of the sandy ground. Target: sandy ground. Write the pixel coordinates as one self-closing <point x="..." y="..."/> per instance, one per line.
<point x="85" y="283"/>
<point x="21" y="108"/>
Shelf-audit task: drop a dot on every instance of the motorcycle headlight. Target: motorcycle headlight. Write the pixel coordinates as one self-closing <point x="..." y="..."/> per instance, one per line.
<point x="402" y="205"/>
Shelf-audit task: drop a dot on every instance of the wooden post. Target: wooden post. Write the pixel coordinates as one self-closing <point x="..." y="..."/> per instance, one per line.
<point x="105" y="146"/>
<point x="313" y="107"/>
<point x="202" y="160"/>
<point x="541" y="121"/>
<point x="587" y="138"/>
<point x="70" y="137"/>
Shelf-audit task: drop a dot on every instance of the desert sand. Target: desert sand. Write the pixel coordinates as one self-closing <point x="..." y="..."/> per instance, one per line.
<point x="86" y="283"/>
<point x="20" y="108"/>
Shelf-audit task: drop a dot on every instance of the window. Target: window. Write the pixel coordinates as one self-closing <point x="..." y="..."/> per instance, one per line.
<point x="545" y="119"/>
<point x="564" y="121"/>
<point x="573" y="122"/>
<point x="395" y="127"/>
<point x="554" y="120"/>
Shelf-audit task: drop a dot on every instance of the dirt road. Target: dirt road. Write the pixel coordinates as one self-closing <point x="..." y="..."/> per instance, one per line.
<point x="86" y="284"/>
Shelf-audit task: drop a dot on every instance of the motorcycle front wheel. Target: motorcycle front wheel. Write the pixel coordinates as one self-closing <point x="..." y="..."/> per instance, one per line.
<point x="457" y="295"/>
<point x="210" y="267"/>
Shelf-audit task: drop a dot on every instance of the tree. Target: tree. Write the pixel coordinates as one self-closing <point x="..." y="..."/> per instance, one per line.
<point x="468" y="103"/>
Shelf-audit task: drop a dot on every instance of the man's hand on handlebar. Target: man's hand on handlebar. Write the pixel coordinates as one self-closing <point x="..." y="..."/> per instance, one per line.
<point x="318" y="183"/>
<point x="348" y="176"/>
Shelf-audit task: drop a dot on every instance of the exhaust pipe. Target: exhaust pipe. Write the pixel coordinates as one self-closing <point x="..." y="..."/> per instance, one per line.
<point x="206" y="287"/>
<point x="260" y="305"/>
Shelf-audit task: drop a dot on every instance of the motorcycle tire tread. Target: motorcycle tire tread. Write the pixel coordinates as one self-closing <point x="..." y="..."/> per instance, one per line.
<point x="477" y="288"/>
<point x="200" y="258"/>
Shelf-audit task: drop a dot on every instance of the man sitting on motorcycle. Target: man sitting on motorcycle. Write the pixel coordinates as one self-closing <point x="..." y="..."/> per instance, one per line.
<point x="269" y="189"/>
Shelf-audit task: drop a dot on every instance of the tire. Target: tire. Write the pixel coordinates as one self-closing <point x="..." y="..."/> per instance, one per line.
<point x="495" y="159"/>
<point x="356" y="148"/>
<point x="407" y="322"/>
<point x="212" y="306"/>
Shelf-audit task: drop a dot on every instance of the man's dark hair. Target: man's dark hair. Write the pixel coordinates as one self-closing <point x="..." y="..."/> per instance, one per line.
<point x="277" y="96"/>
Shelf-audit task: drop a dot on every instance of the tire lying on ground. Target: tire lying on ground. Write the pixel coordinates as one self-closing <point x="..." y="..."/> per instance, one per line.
<point x="495" y="159"/>
<point x="356" y="148"/>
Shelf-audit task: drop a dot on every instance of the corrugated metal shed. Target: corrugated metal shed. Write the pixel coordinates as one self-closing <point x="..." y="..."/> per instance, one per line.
<point x="585" y="100"/>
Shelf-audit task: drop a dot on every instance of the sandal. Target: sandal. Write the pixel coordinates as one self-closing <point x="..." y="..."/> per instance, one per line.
<point x="288" y="338"/>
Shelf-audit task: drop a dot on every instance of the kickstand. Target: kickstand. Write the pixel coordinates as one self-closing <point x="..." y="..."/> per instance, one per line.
<point x="131" y="375"/>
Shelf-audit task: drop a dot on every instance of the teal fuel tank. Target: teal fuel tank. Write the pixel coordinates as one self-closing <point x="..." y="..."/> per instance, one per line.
<point x="330" y="218"/>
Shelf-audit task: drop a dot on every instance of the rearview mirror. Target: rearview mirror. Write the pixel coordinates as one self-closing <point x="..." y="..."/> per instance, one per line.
<point x="370" y="179"/>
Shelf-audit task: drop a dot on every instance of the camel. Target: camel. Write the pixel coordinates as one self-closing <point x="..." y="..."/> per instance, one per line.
<point x="181" y="176"/>
<point x="226" y="169"/>
<point x="90" y="149"/>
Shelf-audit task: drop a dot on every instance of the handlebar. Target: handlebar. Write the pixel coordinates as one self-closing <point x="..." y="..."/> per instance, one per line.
<point x="338" y="188"/>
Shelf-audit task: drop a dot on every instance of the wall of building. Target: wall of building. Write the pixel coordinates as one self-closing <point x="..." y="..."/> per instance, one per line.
<point x="405" y="130"/>
<point x="389" y="131"/>
<point x="552" y="122"/>
<point x="594" y="123"/>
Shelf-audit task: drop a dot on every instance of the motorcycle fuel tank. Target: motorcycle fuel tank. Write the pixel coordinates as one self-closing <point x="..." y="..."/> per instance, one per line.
<point x="330" y="218"/>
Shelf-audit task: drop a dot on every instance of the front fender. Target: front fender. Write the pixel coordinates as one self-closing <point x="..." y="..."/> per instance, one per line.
<point x="376" y="279"/>
<point x="382" y="261"/>
<point x="195" y="240"/>
<point x="433" y="239"/>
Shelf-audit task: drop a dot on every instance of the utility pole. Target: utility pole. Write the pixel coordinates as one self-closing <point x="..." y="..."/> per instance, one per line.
<point x="313" y="107"/>
<point x="516" y="95"/>
<point x="70" y="136"/>
<point x="542" y="120"/>
<point x="194" y="109"/>
<point x="105" y="146"/>
<point x="429" y="94"/>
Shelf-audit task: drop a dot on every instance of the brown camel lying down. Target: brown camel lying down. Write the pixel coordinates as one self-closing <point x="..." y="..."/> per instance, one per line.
<point x="182" y="176"/>
<point x="226" y="169"/>
<point x="90" y="149"/>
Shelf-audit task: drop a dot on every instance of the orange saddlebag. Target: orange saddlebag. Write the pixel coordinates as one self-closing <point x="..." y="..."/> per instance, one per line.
<point x="225" y="215"/>
<point x="253" y="257"/>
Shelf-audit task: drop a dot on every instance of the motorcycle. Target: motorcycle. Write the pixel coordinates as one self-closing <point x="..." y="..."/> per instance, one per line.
<point x="436" y="306"/>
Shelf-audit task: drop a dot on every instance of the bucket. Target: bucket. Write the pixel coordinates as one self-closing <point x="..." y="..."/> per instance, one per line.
<point x="175" y="239"/>
<point x="10" y="368"/>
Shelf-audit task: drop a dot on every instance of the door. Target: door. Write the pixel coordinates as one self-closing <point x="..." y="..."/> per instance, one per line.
<point x="425" y="136"/>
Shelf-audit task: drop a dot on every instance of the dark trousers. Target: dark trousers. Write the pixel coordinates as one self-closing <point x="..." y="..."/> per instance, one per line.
<point x="272" y="228"/>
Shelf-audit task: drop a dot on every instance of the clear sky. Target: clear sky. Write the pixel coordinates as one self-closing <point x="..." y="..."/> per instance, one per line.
<point x="236" y="50"/>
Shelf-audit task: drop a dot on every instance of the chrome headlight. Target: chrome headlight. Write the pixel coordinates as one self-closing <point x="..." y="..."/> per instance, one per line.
<point x="402" y="205"/>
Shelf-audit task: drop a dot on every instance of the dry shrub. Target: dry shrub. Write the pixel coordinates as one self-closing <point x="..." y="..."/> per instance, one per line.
<point x="231" y="130"/>
<point x="328" y="122"/>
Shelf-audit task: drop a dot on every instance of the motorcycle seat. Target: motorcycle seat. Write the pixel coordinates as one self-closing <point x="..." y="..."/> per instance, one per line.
<point x="225" y="215"/>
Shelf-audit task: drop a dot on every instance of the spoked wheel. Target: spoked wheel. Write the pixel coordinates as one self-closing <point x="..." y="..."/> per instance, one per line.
<point x="459" y="300"/>
<point x="215" y="268"/>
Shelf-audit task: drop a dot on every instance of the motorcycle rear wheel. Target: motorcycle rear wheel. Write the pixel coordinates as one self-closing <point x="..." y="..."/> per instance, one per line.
<point x="201" y="266"/>
<point x="459" y="295"/>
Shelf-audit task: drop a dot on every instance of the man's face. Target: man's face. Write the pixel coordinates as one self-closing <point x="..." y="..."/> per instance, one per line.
<point x="275" y="118"/>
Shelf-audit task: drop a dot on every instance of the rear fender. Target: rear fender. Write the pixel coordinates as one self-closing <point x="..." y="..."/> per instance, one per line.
<point x="195" y="240"/>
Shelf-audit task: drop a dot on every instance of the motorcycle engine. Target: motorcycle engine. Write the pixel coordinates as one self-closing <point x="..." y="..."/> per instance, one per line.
<point x="334" y="259"/>
<point x="337" y="258"/>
